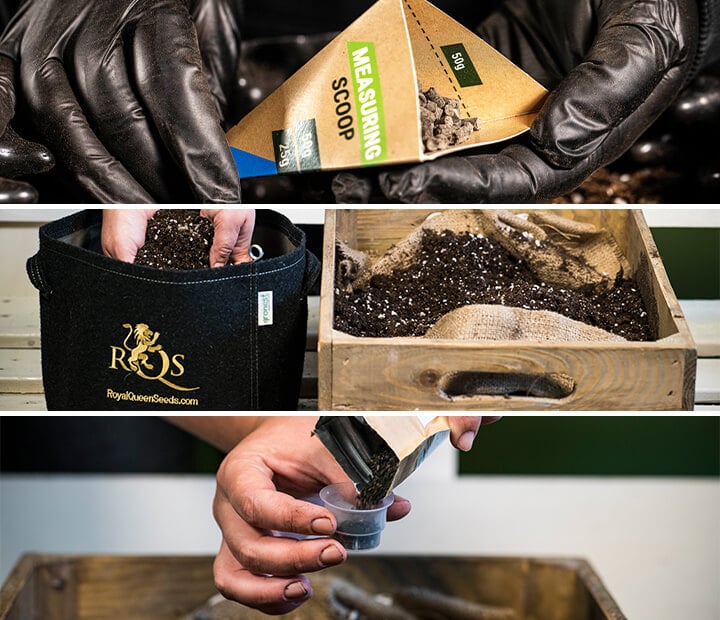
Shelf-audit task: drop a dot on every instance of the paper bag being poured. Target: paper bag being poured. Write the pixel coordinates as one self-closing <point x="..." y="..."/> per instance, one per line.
<point x="379" y="452"/>
<point x="356" y="102"/>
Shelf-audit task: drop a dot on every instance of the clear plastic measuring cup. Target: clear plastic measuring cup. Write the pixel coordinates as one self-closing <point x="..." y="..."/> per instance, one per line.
<point x="357" y="528"/>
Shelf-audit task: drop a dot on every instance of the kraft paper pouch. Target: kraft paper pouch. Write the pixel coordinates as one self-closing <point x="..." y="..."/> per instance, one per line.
<point x="379" y="452"/>
<point x="355" y="103"/>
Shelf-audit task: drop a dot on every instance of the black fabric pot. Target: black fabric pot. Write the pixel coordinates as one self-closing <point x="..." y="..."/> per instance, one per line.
<point x="122" y="336"/>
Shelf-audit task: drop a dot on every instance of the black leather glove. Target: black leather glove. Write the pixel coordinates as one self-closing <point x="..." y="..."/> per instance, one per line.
<point x="117" y="90"/>
<point x="217" y="23"/>
<point x="18" y="156"/>
<point x="613" y="67"/>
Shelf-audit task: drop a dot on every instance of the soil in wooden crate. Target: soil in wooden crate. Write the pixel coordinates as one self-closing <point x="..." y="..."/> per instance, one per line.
<point x="177" y="239"/>
<point x="453" y="270"/>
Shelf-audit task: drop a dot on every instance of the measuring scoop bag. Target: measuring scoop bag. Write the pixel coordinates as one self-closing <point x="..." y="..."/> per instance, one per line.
<point x="381" y="451"/>
<point x="121" y="336"/>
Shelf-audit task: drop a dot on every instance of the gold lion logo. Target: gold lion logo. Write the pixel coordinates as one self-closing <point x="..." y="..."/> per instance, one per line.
<point x="145" y="340"/>
<point x="136" y="358"/>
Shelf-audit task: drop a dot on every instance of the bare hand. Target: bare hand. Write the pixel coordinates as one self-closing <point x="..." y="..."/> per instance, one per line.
<point x="233" y="233"/>
<point x="464" y="428"/>
<point x="258" y="486"/>
<point x="123" y="232"/>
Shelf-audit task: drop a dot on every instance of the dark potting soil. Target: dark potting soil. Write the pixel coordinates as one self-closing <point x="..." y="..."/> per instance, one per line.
<point x="177" y="239"/>
<point x="644" y="186"/>
<point x="453" y="270"/>
<point x="383" y="465"/>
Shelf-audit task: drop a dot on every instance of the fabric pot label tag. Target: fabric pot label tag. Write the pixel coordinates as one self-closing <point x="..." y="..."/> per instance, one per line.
<point x="265" y="308"/>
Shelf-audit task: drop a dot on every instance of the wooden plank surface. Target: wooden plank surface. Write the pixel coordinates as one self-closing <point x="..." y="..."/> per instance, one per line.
<point x="19" y="322"/>
<point x="707" y="387"/>
<point x="20" y="371"/>
<point x="703" y="317"/>
<point x="389" y="373"/>
<point x="609" y="377"/>
<point x="21" y="384"/>
<point x="173" y="588"/>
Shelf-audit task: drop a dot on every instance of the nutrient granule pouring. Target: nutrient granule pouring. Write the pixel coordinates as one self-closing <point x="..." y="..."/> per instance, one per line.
<point x="379" y="452"/>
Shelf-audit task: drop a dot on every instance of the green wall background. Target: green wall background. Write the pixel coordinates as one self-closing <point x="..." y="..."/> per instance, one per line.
<point x="692" y="260"/>
<point x="611" y="445"/>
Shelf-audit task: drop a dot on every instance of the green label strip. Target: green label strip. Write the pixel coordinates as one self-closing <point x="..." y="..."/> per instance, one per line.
<point x="461" y="65"/>
<point x="368" y="101"/>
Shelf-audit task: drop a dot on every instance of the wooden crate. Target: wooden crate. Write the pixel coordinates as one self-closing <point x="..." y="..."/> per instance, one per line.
<point x="165" y="588"/>
<point x="404" y="373"/>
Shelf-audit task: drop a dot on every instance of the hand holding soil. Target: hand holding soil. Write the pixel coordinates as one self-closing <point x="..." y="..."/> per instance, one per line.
<point x="178" y="238"/>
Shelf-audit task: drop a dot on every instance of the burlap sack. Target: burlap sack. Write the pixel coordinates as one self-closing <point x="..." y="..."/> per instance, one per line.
<point x="560" y="251"/>
<point x="496" y="322"/>
<point x="350" y="265"/>
<point x="402" y="254"/>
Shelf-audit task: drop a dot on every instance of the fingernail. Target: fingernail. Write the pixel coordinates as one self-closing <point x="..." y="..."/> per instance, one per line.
<point x="295" y="590"/>
<point x="466" y="441"/>
<point x="322" y="525"/>
<point x="331" y="555"/>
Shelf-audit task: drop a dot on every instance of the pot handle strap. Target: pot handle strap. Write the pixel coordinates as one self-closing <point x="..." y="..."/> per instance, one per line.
<point x="312" y="271"/>
<point x="36" y="275"/>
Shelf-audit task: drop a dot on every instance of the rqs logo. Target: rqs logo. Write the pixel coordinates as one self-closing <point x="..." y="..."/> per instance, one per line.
<point x="146" y="358"/>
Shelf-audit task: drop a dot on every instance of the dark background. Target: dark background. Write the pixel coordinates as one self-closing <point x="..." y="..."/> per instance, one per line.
<point x="612" y="445"/>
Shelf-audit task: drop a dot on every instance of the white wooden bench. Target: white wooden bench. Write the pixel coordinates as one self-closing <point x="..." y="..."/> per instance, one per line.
<point x="21" y="378"/>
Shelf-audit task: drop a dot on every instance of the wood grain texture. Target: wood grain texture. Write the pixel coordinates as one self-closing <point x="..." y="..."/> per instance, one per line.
<point x="403" y="373"/>
<point x="164" y="588"/>
<point x="20" y="371"/>
<point x="19" y="322"/>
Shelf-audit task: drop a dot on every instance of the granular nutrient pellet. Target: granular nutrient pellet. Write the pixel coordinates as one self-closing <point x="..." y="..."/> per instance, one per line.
<point x="383" y="465"/>
<point x="441" y="125"/>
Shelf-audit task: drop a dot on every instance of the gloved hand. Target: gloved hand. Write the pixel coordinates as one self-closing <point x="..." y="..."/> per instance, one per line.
<point x="217" y="23"/>
<point x="117" y="90"/>
<point x="17" y="155"/>
<point x="613" y="65"/>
